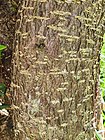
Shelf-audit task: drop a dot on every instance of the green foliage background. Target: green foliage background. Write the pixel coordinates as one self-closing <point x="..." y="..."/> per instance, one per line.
<point x="102" y="83"/>
<point x="102" y="69"/>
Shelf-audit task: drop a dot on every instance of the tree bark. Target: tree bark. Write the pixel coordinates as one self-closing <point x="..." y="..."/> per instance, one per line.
<point x="7" y="31"/>
<point x="56" y="69"/>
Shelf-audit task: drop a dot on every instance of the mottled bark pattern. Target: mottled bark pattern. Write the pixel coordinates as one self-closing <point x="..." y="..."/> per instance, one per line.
<point x="7" y="31"/>
<point x="56" y="68"/>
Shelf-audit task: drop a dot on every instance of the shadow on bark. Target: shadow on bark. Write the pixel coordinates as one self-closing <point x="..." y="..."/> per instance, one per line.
<point x="8" y="12"/>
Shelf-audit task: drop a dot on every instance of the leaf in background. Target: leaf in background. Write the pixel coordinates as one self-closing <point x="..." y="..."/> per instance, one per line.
<point x="98" y="136"/>
<point x="103" y="93"/>
<point x="102" y="69"/>
<point x="104" y="39"/>
<point x="4" y="106"/>
<point x="2" y="89"/>
<point x="103" y="116"/>
<point x="2" y="47"/>
<point x="102" y="83"/>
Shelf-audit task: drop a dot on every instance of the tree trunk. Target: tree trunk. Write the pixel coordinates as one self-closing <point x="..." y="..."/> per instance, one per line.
<point x="7" y="31"/>
<point x="56" y="69"/>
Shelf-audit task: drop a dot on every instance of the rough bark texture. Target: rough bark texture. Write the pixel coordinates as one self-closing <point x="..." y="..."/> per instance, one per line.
<point x="7" y="31"/>
<point x="56" y="68"/>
